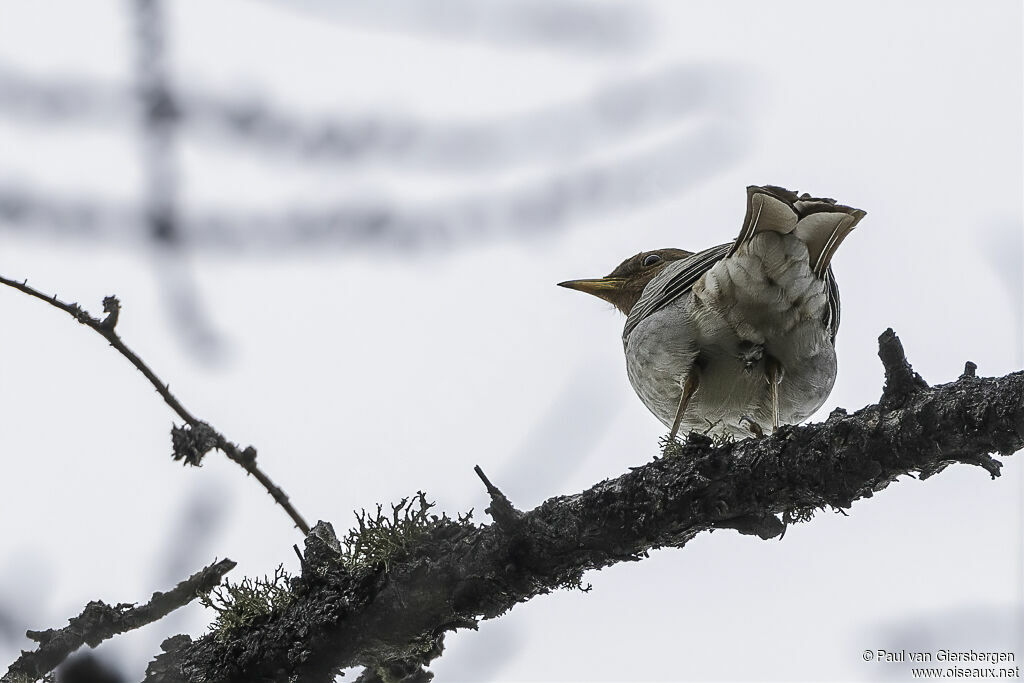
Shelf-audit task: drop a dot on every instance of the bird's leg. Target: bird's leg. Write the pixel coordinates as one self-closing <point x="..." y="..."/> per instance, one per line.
<point x="689" y="386"/>
<point x="773" y="373"/>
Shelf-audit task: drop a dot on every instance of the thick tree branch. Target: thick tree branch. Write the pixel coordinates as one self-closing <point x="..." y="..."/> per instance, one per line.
<point x="391" y="617"/>
<point x="192" y="442"/>
<point x="99" y="621"/>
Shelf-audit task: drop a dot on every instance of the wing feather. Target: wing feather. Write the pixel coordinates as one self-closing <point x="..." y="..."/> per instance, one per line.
<point x="663" y="291"/>
<point x="832" y="310"/>
<point x="769" y="208"/>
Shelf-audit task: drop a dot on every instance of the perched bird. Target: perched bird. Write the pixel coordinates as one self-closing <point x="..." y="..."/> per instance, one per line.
<point x="739" y="338"/>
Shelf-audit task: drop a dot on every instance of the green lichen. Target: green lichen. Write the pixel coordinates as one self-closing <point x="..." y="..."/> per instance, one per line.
<point x="242" y="604"/>
<point x="381" y="538"/>
<point x="799" y="515"/>
<point x="378" y="539"/>
<point x="671" y="448"/>
<point x="719" y="440"/>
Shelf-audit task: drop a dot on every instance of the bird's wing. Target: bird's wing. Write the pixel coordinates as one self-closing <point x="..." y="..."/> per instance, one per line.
<point x="832" y="310"/>
<point x="820" y="223"/>
<point x="675" y="281"/>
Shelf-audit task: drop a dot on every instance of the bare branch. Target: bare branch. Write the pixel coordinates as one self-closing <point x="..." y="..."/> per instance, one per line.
<point x="99" y="621"/>
<point x="392" y="616"/>
<point x="199" y="433"/>
<point x="559" y="24"/>
<point x="567" y="130"/>
<point x="544" y="204"/>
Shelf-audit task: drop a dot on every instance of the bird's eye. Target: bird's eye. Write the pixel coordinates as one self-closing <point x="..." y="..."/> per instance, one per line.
<point x="651" y="259"/>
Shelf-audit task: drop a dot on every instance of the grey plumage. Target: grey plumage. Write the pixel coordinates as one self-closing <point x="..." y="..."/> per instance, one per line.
<point x="730" y="311"/>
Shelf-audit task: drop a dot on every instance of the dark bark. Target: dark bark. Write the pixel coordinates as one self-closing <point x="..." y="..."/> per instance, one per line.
<point x="392" y="617"/>
<point x="99" y="621"/>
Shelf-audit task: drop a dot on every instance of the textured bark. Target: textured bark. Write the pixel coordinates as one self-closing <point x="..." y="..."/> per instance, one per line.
<point x="99" y="621"/>
<point x="392" y="617"/>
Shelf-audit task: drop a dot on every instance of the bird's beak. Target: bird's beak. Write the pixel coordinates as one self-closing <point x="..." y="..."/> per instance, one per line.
<point x="603" y="288"/>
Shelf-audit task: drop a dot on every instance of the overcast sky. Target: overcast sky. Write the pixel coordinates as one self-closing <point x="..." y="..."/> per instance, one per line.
<point x="376" y="318"/>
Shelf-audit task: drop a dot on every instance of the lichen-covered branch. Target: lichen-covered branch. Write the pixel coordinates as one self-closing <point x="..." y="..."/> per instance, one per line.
<point x="195" y="438"/>
<point x="100" y="621"/>
<point x="390" y="615"/>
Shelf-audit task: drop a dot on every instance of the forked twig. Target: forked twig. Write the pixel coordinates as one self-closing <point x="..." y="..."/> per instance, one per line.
<point x="100" y="621"/>
<point x="105" y="327"/>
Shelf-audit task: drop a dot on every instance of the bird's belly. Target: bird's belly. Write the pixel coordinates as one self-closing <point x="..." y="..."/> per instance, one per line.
<point x="761" y="302"/>
<point x="659" y="354"/>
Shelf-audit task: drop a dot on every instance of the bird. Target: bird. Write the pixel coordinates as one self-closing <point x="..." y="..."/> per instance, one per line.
<point x="737" y="339"/>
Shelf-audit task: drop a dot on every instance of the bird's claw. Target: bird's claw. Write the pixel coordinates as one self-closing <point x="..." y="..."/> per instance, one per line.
<point x="755" y="428"/>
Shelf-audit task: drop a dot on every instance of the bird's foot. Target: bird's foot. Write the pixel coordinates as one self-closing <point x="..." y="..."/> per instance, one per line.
<point x="754" y="427"/>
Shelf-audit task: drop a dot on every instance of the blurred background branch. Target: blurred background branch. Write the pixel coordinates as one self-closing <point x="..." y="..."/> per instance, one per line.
<point x="570" y="25"/>
<point x="100" y="621"/>
<point x="563" y="140"/>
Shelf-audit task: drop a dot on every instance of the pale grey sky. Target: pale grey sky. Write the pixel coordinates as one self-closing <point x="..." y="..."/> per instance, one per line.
<point x="364" y="371"/>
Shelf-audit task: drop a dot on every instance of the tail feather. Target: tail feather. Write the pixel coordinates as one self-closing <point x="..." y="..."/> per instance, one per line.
<point x="765" y="213"/>
<point x="823" y="233"/>
<point x="820" y="223"/>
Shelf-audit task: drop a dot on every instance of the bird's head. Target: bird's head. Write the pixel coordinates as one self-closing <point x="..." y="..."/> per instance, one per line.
<point x="623" y="286"/>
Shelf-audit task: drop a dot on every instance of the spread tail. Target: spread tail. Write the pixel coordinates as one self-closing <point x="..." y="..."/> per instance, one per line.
<point x="820" y="223"/>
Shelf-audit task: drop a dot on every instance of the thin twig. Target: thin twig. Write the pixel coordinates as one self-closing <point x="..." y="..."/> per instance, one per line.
<point x="105" y="327"/>
<point x="99" y="621"/>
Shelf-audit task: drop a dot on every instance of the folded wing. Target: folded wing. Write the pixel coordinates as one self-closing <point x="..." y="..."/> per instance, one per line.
<point x="820" y="223"/>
